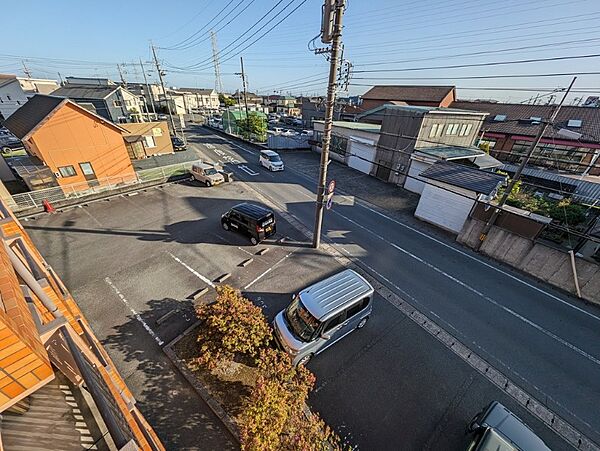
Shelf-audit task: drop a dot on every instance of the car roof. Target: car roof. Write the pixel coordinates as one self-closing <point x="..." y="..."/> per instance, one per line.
<point x="269" y="153"/>
<point x="252" y="210"/>
<point x="327" y="297"/>
<point x="202" y="165"/>
<point x="512" y="428"/>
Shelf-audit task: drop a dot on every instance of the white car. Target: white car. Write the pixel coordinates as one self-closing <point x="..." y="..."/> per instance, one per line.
<point x="270" y="160"/>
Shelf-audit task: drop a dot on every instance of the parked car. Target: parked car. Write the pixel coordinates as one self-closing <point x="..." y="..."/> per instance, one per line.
<point x="306" y="133"/>
<point x="270" y="160"/>
<point x="497" y="428"/>
<point x="254" y="221"/>
<point x="178" y="143"/>
<point x="322" y="314"/>
<point x="9" y="142"/>
<point x="163" y="117"/>
<point x="277" y="130"/>
<point x="297" y="121"/>
<point x="207" y="173"/>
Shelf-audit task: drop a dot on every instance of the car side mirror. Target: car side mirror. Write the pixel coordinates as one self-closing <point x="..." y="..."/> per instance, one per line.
<point x="325" y="336"/>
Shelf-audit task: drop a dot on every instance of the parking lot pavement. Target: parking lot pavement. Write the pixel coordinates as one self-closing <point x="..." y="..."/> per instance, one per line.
<point x="131" y="260"/>
<point x="132" y="263"/>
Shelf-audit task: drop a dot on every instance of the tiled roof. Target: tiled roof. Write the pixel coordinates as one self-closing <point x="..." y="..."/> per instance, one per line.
<point x="464" y="177"/>
<point x="408" y="93"/>
<point x="201" y="91"/>
<point x="26" y="118"/>
<point x="590" y="119"/>
<point x="85" y="91"/>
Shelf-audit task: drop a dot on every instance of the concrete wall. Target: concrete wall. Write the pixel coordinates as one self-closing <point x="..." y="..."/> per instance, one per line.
<point x="544" y="262"/>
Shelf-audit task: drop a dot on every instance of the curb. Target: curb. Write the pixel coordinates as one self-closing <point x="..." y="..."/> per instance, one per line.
<point x="212" y="403"/>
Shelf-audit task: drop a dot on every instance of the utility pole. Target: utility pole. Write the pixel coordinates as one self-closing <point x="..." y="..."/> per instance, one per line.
<point x="245" y="87"/>
<point x="60" y="78"/>
<point x="121" y="75"/>
<point x="217" y="66"/>
<point x="148" y="89"/>
<point x="517" y="176"/>
<point x="162" y="84"/>
<point x="26" y="70"/>
<point x="331" y="32"/>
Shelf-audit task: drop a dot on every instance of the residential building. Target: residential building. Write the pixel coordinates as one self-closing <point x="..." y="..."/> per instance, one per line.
<point x="145" y="139"/>
<point x="432" y="96"/>
<point x="313" y="109"/>
<point x="148" y="95"/>
<point x="14" y="91"/>
<point x="59" y="388"/>
<point x="571" y="146"/>
<point x="71" y="143"/>
<point x="104" y="98"/>
<point x="450" y="193"/>
<point x="202" y="100"/>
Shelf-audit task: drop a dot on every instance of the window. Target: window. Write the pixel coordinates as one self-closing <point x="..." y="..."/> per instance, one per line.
<point x="67" y="171"/>
<point x="149" y="141"/>
<point x="566" y="158"/>
<point x="128" y="102"/>
<point x="117" y="103"/>
<point x="357" y="308"/>
<point x="575" y="123"/>
<point x="535" y="119"/>
<point x="333" y="322"/>
<point x="86" y="168"/>
<point x="436" y="130"/>
<point x="7" y="97"/>
<point x="465" y="129"/>
<point x="157" y="131"/>
<point x="500" y="117"/>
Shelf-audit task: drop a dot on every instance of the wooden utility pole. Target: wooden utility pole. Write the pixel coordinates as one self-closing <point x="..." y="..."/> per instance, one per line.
<point x="162" y="84"/>
<point x="150" y="94"/>
<point x="517" y="176"/>
<point x="245" y="86"/>
<point x="331" y="32"/>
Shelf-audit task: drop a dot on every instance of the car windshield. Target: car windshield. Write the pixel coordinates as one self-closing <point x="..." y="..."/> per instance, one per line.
<point x="274" y="158"/>
<point x="211" y="171"/>
<point x="303" y="324"/>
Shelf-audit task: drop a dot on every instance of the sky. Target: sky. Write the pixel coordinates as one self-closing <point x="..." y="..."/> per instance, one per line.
<point x="386" y="41"/>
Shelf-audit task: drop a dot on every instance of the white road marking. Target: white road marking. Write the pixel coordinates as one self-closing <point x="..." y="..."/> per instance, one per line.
<point x="193" y="271"/>
<point x="267" y="271"/>
<point x="244" y="250"/>
<point x="135" y="314"/>
<point x="479" y="293"/>
<point x="247" y="170"/>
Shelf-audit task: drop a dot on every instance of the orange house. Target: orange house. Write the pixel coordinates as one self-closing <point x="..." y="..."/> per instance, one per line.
<point x="79" y="146"/>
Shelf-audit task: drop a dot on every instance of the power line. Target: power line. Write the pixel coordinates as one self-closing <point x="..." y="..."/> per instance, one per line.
<point x="475" y="77"/>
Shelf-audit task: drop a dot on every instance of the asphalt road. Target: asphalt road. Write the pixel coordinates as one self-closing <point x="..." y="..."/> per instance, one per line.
<point x="543" y="340"/>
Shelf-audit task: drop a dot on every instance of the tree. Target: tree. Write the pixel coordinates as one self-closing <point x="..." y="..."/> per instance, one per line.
<point x="255" y="126"/>
<point x="276" y="416"/>
<point x="230" y="325"/>
<point x="227" y="101"/>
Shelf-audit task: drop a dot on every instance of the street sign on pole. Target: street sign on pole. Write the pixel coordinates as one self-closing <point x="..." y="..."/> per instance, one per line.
<point x="329" y="201"/>
<point x="331" y="187"/>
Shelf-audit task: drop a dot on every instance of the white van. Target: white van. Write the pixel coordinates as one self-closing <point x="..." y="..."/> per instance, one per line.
<point x="322" y="314"/>
<point x="270" y="160"/>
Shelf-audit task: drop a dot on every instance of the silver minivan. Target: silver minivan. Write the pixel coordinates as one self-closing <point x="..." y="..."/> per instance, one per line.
<point x="322" y="314"/>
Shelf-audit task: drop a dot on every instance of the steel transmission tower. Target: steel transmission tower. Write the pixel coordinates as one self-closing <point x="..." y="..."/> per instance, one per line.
<point x="215" y="51"/>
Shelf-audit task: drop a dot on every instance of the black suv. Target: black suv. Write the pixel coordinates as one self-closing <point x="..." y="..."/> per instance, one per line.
<point x="252" y="220"/>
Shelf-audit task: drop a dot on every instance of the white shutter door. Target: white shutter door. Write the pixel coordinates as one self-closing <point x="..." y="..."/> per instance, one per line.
<point x="413" y="182"/>
<point x="361" y="157"/>
<point x="443" y="208"/>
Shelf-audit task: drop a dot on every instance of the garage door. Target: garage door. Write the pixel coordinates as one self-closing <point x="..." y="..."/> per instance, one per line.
<point x="361" y="156"/>
<point x="413" y="182"/>
<point x="443" y="208"/>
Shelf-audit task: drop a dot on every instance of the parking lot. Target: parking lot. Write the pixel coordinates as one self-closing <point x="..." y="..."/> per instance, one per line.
<point x="132" y="260"/>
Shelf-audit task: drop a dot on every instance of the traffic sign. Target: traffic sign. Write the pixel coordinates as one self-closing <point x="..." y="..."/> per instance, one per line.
<point x="329" y="202"/>
<point x="331" y="187"/>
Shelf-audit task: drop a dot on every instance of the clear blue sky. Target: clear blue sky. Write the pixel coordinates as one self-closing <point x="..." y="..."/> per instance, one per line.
<point x="87" y="38"/>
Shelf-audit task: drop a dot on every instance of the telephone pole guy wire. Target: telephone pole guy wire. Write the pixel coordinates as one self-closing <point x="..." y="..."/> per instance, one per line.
<point x="331" y="32"/>
<point x="517" y="176"/>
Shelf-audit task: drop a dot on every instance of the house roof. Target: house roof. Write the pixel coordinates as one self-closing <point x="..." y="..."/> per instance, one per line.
<point x="39" y="107"/>
<point x="5" y="79"/>
<point x="452" y="152"/>
<point x="89" y="92"/>
<point x="201" y="91"/>
<point x="464" y="177"/>
<point x="400" y="106"/>
<point x="517" y="114"/>
<point x="406" y="93"/>
<point x="26" y="118"/>
<point x="362" y="126"/>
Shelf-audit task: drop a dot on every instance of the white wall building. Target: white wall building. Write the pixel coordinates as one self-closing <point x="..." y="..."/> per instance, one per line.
<point x="15" y="91"/>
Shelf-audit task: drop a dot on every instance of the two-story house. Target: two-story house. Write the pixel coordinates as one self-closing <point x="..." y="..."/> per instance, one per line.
<point x="104" y="98"/>
<point x="15" y="91"/>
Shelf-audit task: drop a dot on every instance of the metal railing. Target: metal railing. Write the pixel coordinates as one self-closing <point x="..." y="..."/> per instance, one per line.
<point x="33" y="199"/>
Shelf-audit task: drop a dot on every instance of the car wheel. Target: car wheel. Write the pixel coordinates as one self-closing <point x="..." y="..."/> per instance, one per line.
<point x="253" y="241"/>
<point x="6" y="149"/>
<point x="362" y="322"/>
<point x="208" y="184"/>
<point x="304" y="360"/>
<point x="225" y="226"/>
<point x="472" y="427"/>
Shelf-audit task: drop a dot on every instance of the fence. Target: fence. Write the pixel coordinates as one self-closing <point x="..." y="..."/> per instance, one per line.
<point x="35" y="199"/>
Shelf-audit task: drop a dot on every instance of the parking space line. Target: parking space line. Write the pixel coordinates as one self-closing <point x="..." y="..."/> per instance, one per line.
<point x="135" y="314"/>
<point x="268" y="270"/>
<point x="193" y="271"/>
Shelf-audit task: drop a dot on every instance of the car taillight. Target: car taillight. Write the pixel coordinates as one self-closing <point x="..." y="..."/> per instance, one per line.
<point x="259" y="228"/>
